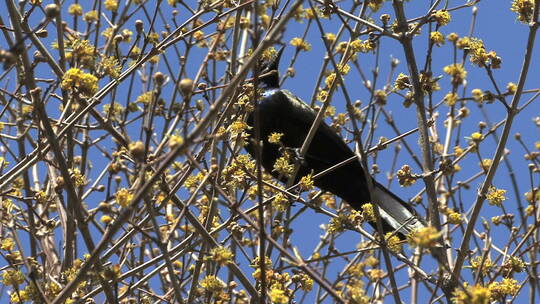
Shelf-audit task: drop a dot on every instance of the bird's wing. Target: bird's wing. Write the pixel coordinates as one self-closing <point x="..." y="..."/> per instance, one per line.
<point x="397" y="213"/>
<point x="331" y="149"/>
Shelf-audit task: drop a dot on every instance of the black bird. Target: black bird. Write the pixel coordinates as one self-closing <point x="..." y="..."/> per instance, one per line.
<point x="282" y="112"/>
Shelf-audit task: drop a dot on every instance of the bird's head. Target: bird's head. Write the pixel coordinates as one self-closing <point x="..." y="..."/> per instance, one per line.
<point x="269" y="74"/>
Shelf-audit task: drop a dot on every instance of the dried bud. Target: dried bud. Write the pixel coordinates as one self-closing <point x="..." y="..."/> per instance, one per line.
<point x="202" y="86"/>
<point x="186" y="86"/>
<point x="118" y="38"/>
<point x="137" y="149"/>
<point x="59" y="183"/>
<point x="52" y="11"/>
<point x="159" y="78"/>
<point x="385" y="18"/>
<point x="139" y="25"/>
<point x="104" y="207"/>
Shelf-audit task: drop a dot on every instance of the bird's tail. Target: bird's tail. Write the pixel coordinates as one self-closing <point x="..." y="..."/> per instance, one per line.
<point x="399" y="215"/>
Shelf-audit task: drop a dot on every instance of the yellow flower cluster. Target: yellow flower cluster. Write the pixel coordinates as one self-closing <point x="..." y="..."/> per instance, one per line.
<point x="275" y="137"/>
<point x="476" y="294"/>
<point x="111" y="5"/>
<point x="283" y="165"/>
<point x="425" y="237"/>
<point x="437" y="38"/>
<point x="78" y="178"/>
<point x="235" y="175"/>
<point x="442" y="17"/>
<point x="481" y="265"/>
<point x="75" y="79"/>
<point x="450" y="99"/>
<point x="211" y="284"/>
<point x="111" y="66"/>
<point x="524" y="10"/>
<point x="428" y="83"/>
<point x="457" y="71"/>
<point x="307" y="183"/>
<point x="495" y="196"/>
<point x="402" y="82"/>
<point x="393" y="242"/>
<point x="220" y="255"/>
<point x="405" y="176"/>
<point x="75" y="9"/>
<point x="300" y="44"/>
<point x="123" y="197"/>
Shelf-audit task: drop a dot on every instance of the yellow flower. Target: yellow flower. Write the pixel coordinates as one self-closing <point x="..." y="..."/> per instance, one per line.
<point x="220" y="255"/>
<point x="277" y="295"/>
<point x="507" y="287"/>
<point x="85" y="83"/>
<point x="402" y="82"/>
<point x="476" y="294"/>
<point x="450" y="99"/>
<point x="393" y="242"/>
<point x="306" y="183"/>
<point x="481" y="264"/>
<point x="524" y="10"/>
<point x="477" y="95"/>
<point x="274" y="137"/>
<point x="375" y="5"/>
<point x="529" y="211"/>
<point x="12" y="277"/>
<point x="511" y="87"/>
<point x="7" y="244"/>
<point x="452" y="37"/>
<point x="304" y="281"/>
<point x="405" y="176"/>
<point x="428" y="83"/>
<point x="75" y="9"/>
<point x="463" y="42"/>
<point x="115" y="112"/>
<point x="106" y="219"/>
<point x="300" y="44"/>
<point x="454" y="217"/>
<point x="269" y="53"/>
<point x="78" y="178"/>
<point x="442" y="17"/>
<point x="477" y="137"/>
<point x="368" y="213"/>
<point x="344" y="69"/>
<point x="495" y="196"/>
<point x="330" y="37"/>
<point x="425" y="237"/>
<point x="145" y="98"/>
<point x="457" y="71"/>
<point x="123" y="197"/>
<point x="437" y="38"/>
<point x="212" y="284"/>
<point x="111" y="5"/>
<point x="111" y="66"/>
<point x="477" y="52"/>
<point x="91" y="16"/>
<point x="310" y="13"/>
<point x="330" y="80"/>
<point x="485" y="164"/>
<point x="175" y="140"/>
<point x="237" y="127"/>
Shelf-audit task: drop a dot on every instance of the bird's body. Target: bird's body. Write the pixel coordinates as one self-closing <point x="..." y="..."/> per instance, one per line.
<point x="282" y="112"/>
